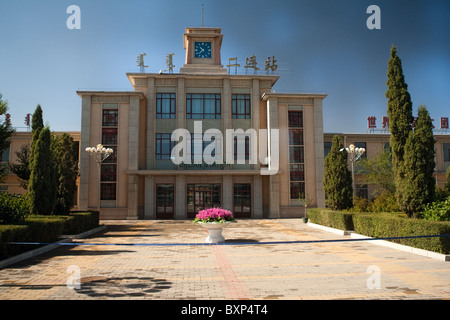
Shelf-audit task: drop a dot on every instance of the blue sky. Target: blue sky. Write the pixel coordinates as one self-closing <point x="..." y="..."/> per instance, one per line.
<point x="321" y="47"/>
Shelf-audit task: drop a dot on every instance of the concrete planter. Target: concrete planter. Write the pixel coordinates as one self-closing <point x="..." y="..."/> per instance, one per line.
<point x="215" y="231"/>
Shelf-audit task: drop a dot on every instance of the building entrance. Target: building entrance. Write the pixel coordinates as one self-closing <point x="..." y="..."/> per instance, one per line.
<point x="202" y="196"/>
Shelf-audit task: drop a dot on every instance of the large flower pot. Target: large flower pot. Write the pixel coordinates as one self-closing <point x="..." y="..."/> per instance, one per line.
<point x="215" y="231"/>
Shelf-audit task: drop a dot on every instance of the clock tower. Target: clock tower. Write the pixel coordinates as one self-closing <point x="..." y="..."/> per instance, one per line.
<point x="202" y="47"/>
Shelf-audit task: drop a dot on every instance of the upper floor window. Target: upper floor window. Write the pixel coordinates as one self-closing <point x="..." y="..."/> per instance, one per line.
<point x="202" y="106"/>
<point x="240" y="106"/>
<point x="110" y="118"/>
<point x="164" y="146"/>
<point x="165" y="105"/>
<point x="362" y="145"/>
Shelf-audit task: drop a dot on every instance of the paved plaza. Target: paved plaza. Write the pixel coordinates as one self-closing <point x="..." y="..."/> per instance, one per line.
<point x="173" y="267"/>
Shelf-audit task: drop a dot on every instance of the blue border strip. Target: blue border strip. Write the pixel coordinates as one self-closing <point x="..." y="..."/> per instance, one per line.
<point x="221" y="243"/>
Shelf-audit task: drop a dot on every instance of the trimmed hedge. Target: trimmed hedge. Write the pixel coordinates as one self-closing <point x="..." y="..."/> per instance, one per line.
<point x="329" y="218"/>
<point x="44" y="229"/>
<point x="385" y="225"/>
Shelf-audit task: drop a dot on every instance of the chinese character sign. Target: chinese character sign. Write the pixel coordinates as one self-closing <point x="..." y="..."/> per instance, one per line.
<point x="270" y="64"/>
<point x="444" y="123"/>
<point x="385" y="123"/>
<point x="371" y="122"/>
<point x="251" y="63"/>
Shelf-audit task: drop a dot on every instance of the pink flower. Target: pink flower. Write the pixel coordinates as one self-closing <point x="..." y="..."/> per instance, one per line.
<point x="214" y="215"/>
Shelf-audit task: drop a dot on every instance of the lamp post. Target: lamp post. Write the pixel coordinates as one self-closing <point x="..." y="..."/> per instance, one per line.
<point x="99" y="153"/>
<point x="354" y="153"/>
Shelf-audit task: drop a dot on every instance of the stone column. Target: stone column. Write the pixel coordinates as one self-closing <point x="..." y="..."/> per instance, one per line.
<point x="133" y="157"/>
<point x="320" y="162"/>
<point x="310" y="153"/>
<point x="256" y="118"/>
<point x="180" y="197"/>
<point x="149" y="198"/>
<point x="274" y="193"/>
<point x="83" y="195"/>
<point x="151" y="114"/>
<point x="257" y="197"/>
<point x="227" y="192"/>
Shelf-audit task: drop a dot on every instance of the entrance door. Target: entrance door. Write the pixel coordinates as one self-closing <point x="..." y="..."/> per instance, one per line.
<point x="242" y="206"/>
<point x="164" y="201"/>
<point x="202" y="196"/>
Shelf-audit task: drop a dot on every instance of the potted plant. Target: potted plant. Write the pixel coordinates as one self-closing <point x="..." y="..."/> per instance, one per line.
<point x="214" y="219"/>
<point x="305" y="201"/>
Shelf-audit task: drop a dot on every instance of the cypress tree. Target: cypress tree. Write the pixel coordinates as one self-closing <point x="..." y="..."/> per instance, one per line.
<point x="337" y="182"/>
<point x="447" y="184"/>
<point x="42" y="185"/>
<point x="6" y="132"/>
<point x="37" y="122"/>
<point x="22" y="168"/>
<point x="65" y="154"/>
<point x="399" y="109"/>
<point x="417" y="186"/>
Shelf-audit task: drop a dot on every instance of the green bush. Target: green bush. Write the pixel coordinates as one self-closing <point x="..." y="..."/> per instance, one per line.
<point x="13" y="208"/>
<point x="9" y="233"/>
<point x="43" y="229"/>
<point x="333" y="219"/>
<point x="384" y="202"/>
<point x="437" y="211"/>
<point x="81" y="221"/>
<point x="390" y="225"/>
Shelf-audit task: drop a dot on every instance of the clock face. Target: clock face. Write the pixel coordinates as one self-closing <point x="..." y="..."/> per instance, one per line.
<point x="202" y="49"/>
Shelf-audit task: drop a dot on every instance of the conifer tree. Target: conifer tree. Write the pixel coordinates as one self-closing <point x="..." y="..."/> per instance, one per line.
<point x="64" y="152"/>
<point x="399" y="109"/>
<point x="417" y="186"/>
<point x="337" y="182"/>
<point x="37" y="124"/>
<point x="447" y="184"/>
<point x="6" y="132"/>
<point x="42" y="185"/>
<point x="22" y="168"/>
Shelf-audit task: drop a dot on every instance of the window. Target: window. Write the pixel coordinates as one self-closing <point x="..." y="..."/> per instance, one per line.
<point x="110" y="118"/>
<point x="241" y="149"/>
<point x="202" y="143"/>
<point x="296" y="155"/>
<point x="164" y="201"/>
<point x="362" y="191"/>
<point x="108" y="168"/>
<point x="109" y="136"/>
<point x="446" y="151"/>
<point x="362" y="145"/>
<point x="202" y="196"/>
<point x="164" y="146"/>
<point x="4" y="156"/>
<point x="242" y="200"/>
<point x="165" y="105"/>
<point x="240" y="106"/>
<point x="326" y="148"/>
<point x="108" y="191"/>
<point x="295" y="119"/>
<point x="202" y="106"/>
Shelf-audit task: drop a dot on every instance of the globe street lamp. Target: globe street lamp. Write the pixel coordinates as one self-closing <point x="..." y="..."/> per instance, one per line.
<point x="354" y="154"/>
<point x="99" y="153"/>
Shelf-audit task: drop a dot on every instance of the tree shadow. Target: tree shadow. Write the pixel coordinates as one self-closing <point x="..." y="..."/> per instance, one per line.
<point x="121" y="287"/>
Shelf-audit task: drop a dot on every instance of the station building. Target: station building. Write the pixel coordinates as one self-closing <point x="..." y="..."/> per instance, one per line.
<point x="141" y="180"/>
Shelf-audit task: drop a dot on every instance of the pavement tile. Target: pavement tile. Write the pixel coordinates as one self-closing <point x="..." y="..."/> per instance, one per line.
<point x="244" y="269"/>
